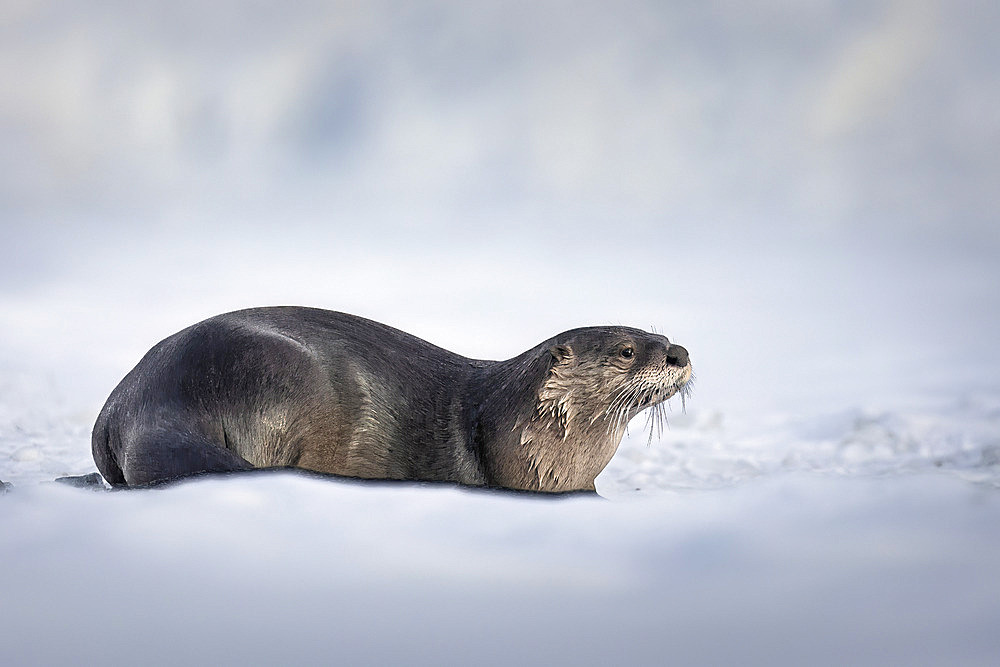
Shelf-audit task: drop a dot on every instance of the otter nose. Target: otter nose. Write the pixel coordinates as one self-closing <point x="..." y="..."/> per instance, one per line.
<point x="677" y="356"/>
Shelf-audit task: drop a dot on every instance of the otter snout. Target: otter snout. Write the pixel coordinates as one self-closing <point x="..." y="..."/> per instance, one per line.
<point x="677" y="356"/>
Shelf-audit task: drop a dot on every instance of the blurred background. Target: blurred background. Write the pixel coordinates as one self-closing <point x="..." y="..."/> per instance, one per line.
<point x="805" y="195"/>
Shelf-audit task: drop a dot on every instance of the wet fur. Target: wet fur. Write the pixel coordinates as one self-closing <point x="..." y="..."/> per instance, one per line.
<point x="339" y="394"/>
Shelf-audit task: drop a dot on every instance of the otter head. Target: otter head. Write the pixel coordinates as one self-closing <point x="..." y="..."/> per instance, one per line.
<point x="607" y="375"/>
<point x="598" y="379"/>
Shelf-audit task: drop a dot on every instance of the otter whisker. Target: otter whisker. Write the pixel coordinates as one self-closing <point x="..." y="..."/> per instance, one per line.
<point x="621" y="418"/>
<point x="655" y="420"/>
<point x="622" y="394"/>
<point x="620" y="405"/>
<point x="685" y="391"/>
<point x="650" y="424"/>
<point x="629" y="402"/>
<point x="620" y="411"/>
<point x="640" y="396"/>
<point x="613" y="404"/>
<point x="647" y="390"/>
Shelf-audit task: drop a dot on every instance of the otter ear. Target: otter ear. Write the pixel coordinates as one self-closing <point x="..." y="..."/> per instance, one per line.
<point x="560" y="353"/>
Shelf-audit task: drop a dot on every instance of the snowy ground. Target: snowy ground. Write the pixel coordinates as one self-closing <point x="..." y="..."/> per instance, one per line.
<point x="833" y="521"/>
<point x="796" y="569"/>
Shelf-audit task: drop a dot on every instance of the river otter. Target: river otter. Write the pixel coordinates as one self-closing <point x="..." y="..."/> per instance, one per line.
<point x="337" y="393"/>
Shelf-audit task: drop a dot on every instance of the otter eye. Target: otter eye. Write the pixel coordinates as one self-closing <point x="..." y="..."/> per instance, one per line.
<point x="627" y="352"/>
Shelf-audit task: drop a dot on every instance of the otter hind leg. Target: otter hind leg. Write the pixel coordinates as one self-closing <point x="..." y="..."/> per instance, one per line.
<point x="164" y="454"/>
<point x="104" y="457"/>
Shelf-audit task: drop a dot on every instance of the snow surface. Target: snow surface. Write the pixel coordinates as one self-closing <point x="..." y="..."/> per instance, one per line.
<point x="804" y="196"/>
<point x="857" y="526"/>
<point x="287" y="570"/>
